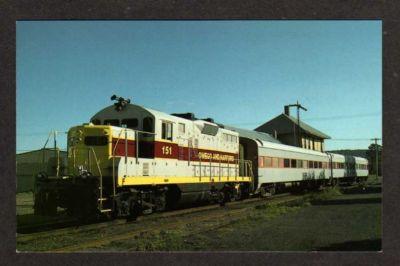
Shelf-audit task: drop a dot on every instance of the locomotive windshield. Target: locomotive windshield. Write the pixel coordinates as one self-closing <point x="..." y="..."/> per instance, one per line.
<point x="96" y="140"/>
<point x="130" y="123"/>
<point x="111" y="122"/>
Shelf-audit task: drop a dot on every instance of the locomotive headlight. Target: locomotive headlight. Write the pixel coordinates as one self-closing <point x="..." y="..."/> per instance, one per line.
<point x="105" y="132"/>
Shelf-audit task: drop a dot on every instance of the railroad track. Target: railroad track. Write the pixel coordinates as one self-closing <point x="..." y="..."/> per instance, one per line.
<point x="233" y="211"/>
<point x="31" y="231"/>
<point x="101" y="234"/>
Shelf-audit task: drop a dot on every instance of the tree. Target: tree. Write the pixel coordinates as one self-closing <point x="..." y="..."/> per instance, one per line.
<point x="371" y="153"/>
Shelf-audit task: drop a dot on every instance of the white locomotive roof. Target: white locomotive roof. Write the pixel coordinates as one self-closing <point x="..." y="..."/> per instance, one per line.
<point x="110" y="112"/>
<point x="199" y="122"/>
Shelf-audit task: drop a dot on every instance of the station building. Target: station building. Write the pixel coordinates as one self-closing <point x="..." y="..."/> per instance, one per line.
<point x="287" y="130"/>
<point x="31" y="163"/>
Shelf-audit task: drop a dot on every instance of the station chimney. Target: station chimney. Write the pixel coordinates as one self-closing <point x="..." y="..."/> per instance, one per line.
<point x="287" y="112"/>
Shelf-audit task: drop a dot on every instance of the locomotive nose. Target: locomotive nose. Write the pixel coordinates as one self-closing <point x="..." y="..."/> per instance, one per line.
<point x="88" y="148"/>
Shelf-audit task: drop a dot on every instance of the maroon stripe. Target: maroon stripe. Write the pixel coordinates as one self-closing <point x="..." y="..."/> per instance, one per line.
<point x="120" y="147"/>
<point x="160" y="149"/>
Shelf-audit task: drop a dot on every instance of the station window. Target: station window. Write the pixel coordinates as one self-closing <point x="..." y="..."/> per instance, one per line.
<point x="181" y="128"/>
<point x="315" y="164"/>
<point x="130" y="123"/>
<point x="310" y="164"/>
<point x="166" y="130"/>
<point x="293" y="163"/>
<point x="111" y="122"/>
<point x="286" y="163"/>
<point x="319" y="164"/>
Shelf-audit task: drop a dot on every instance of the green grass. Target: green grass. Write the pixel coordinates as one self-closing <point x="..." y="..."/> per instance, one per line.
<point x="333" y="219"/>
<point x="326" y="194"/>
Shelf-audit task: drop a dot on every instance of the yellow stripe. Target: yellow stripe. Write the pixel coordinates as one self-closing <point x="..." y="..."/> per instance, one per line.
<point x="162" y="180"/>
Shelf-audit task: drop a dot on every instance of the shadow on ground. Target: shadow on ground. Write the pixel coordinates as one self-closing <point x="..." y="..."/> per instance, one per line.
<point x="363" y="245"/>
<point x="361" y="190"/>
<point x="347" y="201"/>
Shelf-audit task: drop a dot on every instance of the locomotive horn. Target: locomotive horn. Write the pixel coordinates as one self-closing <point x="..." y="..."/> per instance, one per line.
<point x="121" y="102"/>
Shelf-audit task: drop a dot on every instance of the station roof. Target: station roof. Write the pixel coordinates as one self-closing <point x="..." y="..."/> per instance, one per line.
<point x="251" y="134"/>
<point x="284" y="124"/>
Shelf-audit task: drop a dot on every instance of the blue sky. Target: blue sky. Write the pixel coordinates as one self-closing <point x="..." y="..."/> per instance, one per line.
<point x="240" y="73"/>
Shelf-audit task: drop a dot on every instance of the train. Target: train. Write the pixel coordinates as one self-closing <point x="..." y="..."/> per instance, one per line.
<point x="129" y="160"/>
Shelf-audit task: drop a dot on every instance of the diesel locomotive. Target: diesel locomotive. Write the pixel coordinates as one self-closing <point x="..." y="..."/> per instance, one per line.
<point x="130" y="159"/>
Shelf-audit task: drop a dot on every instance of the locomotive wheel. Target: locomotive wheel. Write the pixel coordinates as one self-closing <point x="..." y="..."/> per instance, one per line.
<point x="51" y="204"/>
<point x="272" y="190"/>
<point x="244" y="192"/>
<point x="172" y="197"/>
<point x="38" y="204"/>
<point x="161" y="202"/>
<point x="45" y="203"/>
<point x="221" y="199"/>
<point x="135" y="209"/>
<point x="225" y="195"/>
<point x="263" y="192"/>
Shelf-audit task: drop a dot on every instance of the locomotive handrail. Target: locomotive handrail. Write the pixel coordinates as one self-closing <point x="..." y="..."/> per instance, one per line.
<point x="113" y="160"/>
<point x="246" y="164"/>
<point x="89" y="167"/>
<point x="100" y="177"/>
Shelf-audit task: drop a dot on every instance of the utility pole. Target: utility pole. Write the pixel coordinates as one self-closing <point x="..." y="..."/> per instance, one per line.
<point x="376" y="155"/>
<point x="298" y="106"/>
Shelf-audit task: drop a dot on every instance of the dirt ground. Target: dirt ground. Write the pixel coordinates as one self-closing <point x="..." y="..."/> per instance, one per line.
<point x="348" y="222"/>
<point x="346" y="219"/>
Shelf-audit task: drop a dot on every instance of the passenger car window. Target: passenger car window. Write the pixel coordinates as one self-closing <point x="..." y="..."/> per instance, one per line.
<point x="286" y="163"/>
